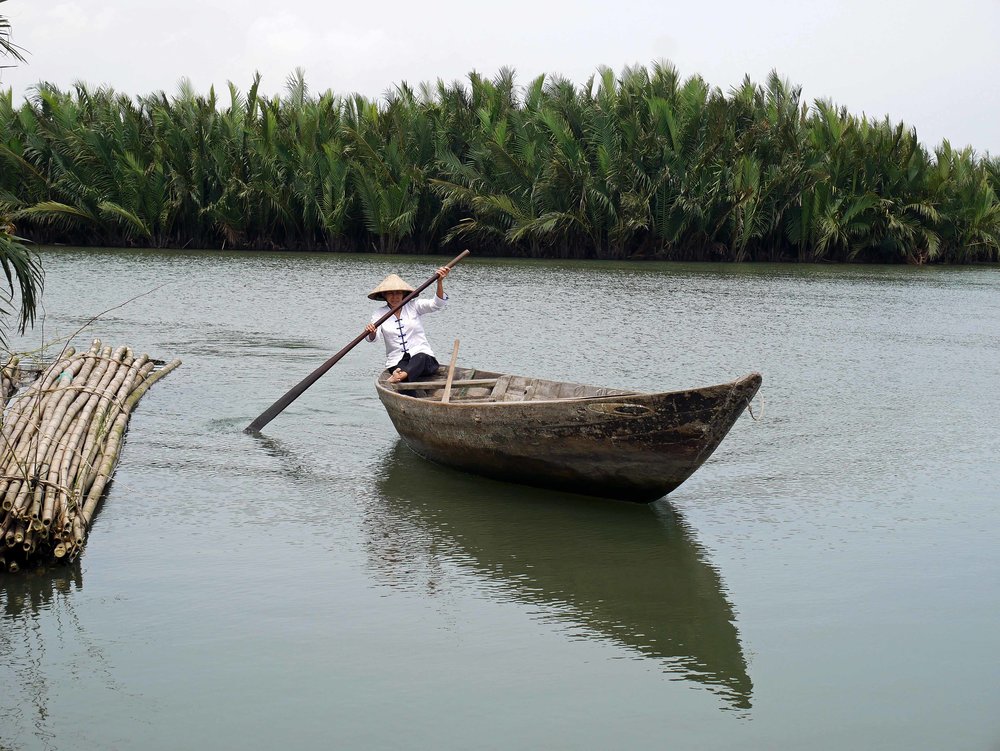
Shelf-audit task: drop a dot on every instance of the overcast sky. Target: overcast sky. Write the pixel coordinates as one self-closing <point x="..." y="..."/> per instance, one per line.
<point x="932" y="64"/>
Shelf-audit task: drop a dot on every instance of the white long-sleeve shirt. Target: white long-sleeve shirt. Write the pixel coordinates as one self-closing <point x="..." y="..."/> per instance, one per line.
<point x="405" y="335"/>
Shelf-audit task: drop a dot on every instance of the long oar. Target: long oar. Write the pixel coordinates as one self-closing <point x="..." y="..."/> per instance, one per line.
<point x="275" y="409"/>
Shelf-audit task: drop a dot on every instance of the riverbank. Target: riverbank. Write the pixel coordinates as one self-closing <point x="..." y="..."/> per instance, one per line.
<point x="429" y="255"/>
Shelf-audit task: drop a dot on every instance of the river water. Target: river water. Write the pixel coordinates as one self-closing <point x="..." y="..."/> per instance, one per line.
<point x="829" y="579"/>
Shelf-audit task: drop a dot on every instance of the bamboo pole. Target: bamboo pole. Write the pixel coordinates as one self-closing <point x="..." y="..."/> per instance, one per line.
<point x="75" y="442"/>
<point x="61" y="423"/>
<point x="99" y="424"/>
<point x="12" y="490"/>
<point x="23" y="410"/>
<point x="110" y="417"/>
<point x="114" y="443"/>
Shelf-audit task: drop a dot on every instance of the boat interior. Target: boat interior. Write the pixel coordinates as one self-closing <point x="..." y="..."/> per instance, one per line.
<point x="470" y="385"/>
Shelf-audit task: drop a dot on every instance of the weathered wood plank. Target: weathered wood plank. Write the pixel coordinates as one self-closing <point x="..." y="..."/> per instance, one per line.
<point x="414" y="385"/>
<point x="451" y="374"/>
<point x="516" y="389"/>
<point x="572" y="391"/>
<point x="500" y="389"/>
<point x="545" y="390"/>
<point x="481" y="395"/>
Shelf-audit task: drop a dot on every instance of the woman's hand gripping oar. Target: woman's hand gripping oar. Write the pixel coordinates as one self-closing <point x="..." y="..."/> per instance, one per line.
<point x="275" y="409"/>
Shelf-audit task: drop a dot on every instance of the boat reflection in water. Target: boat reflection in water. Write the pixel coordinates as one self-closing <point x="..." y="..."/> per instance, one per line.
<point x="631" y="574"/>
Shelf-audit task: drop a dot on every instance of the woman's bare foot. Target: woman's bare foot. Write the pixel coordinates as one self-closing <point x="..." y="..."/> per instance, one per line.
<point x="397" y="376"/>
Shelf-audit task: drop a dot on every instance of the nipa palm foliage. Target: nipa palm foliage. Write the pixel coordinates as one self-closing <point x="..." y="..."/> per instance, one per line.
<point x="643" y="163"/>
<point x="20" y="266"/>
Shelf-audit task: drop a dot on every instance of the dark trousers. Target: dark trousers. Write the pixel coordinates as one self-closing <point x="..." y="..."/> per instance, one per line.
<point x="415" y="367"/>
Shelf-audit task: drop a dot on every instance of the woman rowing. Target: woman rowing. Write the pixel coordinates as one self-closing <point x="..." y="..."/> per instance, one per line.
<point x="407" y="352"/>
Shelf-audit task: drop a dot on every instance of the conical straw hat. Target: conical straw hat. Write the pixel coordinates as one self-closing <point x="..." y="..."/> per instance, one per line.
<point x="391" y="283"/>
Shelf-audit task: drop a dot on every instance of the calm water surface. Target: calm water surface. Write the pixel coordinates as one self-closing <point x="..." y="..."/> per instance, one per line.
<point x="830" y="579"/>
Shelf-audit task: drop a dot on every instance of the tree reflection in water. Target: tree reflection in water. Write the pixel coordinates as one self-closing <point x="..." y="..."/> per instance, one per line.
<point x="37" y="610"/>
<point x="632" y="574"/>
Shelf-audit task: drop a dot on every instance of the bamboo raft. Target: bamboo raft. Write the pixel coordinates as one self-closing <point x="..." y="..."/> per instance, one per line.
<point x="59" y="445"/>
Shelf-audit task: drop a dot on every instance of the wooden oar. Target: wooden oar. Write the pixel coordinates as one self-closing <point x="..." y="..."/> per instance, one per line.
<point x="275" y="409"/>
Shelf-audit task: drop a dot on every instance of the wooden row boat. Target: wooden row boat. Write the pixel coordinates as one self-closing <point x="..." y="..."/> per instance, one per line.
<point x="596" y="441"/>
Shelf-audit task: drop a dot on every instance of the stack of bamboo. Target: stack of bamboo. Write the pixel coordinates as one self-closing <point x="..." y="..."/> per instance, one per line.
<point x="59" y="446"/>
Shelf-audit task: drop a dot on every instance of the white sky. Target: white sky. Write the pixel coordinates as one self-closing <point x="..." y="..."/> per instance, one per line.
<point x="932" y="64"/>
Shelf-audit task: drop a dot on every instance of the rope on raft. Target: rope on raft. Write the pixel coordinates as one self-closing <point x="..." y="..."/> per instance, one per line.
<point x="60" y="440"/>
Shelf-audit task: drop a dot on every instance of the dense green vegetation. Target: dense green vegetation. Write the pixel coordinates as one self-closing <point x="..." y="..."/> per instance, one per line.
<point x="641" y="164"/>
<point x="20" y="266"/>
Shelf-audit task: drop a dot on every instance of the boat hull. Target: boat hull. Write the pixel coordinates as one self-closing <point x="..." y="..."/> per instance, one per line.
<point x="633" y="447"/>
